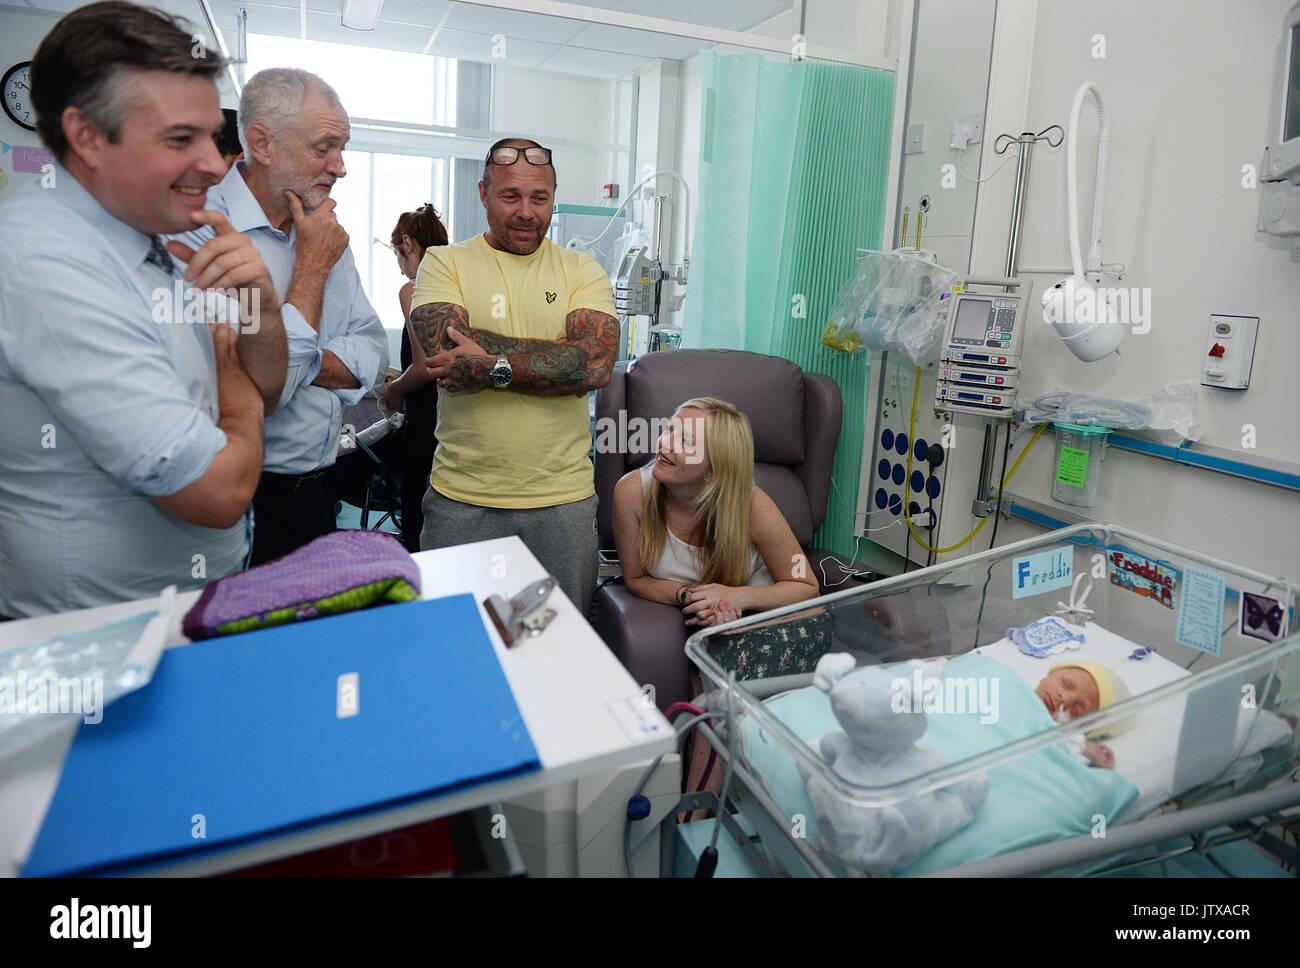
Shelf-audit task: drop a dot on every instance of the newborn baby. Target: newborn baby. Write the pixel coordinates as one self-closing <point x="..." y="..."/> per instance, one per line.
<point x="1071" y="690"/>
<point x="1089" y="752"/>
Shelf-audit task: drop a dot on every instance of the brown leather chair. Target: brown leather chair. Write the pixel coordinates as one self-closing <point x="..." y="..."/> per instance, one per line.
<point x="796" y="418"/>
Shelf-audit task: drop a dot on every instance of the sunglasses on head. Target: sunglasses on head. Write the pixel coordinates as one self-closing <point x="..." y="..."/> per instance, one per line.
<point x="510" y="155"/>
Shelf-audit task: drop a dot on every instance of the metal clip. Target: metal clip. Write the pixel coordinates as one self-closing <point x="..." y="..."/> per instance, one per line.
<point x="525" y="613"/>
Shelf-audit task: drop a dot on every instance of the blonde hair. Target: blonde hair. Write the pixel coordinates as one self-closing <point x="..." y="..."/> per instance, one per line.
<point x="723" y="505"/>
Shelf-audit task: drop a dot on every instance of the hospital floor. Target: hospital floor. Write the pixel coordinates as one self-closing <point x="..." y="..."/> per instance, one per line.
<point x="349" y="517"/>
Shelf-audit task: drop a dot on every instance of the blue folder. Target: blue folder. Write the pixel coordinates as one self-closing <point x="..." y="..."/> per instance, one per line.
<point x="239" y="737"/>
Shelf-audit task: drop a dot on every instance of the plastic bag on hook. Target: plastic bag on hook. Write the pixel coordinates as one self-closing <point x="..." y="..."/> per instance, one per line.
<point x="893" y="303"/>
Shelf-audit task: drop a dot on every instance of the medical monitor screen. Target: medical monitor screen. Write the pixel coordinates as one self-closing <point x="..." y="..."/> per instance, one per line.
<point x="972" y="321"/>
<point x="1291" y="113"/>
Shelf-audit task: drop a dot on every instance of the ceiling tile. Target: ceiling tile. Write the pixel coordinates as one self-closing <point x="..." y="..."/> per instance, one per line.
<point x="467" y="45"/>
<point x="527" y="26"/>
<point x="592" y="63"/>
<point x="731" y="14"/>
<point x="415" y="11"/>
<point x="624" y="40"/>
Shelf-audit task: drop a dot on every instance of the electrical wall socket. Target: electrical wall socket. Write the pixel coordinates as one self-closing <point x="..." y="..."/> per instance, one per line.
<point x="1230" y="352"/>
<point x="916" y="138"/>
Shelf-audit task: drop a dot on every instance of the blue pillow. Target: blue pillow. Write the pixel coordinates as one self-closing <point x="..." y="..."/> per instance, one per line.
<point x="1038" y="798"/>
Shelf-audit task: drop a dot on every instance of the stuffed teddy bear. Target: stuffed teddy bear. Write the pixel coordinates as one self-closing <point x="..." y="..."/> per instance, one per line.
<point x="882" y="721"/>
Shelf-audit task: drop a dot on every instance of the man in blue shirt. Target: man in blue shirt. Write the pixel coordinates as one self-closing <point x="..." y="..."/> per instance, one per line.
<point x="294" y="131"/>
<point x="130" y="429"/>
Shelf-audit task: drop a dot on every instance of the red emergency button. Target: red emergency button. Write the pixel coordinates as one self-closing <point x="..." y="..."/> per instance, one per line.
<point x="1219" y="350"/>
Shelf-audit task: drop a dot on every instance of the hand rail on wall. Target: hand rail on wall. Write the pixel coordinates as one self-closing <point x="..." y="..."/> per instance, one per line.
<point x="1262" y="469"/>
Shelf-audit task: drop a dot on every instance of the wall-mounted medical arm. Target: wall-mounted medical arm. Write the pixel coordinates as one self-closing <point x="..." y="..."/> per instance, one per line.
<point x="1072" y="180"/>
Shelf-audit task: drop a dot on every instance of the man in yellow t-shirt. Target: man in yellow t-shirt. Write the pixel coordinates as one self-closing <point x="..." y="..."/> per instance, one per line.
<point x="517" y="331"/>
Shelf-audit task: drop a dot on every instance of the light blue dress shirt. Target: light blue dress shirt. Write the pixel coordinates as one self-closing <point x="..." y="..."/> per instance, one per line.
<point x="302" y="435"/>
<point x="108" y="398"/>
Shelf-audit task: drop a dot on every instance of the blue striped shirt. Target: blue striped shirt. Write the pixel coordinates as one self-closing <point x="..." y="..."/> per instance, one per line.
<point x="108" y="398"/>
<point x="302" y="435"/>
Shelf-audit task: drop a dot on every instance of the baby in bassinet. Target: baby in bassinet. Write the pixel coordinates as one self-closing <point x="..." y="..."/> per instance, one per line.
<point x="1074" y="689"/>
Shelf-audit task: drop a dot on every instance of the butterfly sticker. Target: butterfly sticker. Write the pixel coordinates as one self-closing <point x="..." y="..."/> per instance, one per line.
<point x="1262" y="617"/>
<point x="550" y="297"/>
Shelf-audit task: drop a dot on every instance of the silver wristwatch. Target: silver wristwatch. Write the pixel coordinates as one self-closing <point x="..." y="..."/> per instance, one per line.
<point x="501" y="373"/>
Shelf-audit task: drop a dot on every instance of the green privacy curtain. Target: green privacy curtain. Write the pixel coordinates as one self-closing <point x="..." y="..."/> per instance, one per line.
<point x="794" y="160"/>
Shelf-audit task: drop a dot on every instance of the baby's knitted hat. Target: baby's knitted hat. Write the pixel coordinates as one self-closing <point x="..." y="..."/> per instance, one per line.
<point x="1111" y="689"/>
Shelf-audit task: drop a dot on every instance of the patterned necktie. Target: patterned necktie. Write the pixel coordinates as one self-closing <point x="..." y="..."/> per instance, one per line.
<point x="159" y="256"/>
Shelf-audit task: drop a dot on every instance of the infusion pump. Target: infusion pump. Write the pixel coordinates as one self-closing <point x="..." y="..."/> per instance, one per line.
<point x="636" y="284"/>
<point x="979" y="364"/>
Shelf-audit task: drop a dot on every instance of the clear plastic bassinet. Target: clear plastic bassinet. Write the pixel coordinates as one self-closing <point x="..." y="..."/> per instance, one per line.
<point x="1205" y="653"/>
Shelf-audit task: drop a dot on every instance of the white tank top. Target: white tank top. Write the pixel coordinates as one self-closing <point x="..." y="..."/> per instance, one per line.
<point x="677" y="562"/>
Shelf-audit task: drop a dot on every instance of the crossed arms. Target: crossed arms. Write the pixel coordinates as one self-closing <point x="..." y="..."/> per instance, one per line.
<point x="462" y="357"/>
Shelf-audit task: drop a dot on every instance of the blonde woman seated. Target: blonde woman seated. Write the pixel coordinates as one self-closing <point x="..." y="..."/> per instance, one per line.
<point x="694" y="531"/>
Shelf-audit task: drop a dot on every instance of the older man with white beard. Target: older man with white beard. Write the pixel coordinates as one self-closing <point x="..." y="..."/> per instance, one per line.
<point x="294" y="130"/>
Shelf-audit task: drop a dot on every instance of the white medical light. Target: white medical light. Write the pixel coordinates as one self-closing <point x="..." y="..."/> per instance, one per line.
<point x="1080" y="310"/>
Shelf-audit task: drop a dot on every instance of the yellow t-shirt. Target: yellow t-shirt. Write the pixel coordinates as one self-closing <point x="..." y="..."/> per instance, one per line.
<point x="502" y="448"/>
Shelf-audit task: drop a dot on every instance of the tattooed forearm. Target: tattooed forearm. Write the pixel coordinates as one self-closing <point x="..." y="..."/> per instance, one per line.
<point x="581" y="361"/>
<point x="430" y="322"/>
<point x="471" y="371"/>
<point x="599" y="333"/>
<point x="558" y="370"/>
<point x="497" y="343"/>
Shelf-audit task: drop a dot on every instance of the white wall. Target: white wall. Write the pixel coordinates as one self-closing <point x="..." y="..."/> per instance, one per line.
<point x="543" y="106"/>
<point x="20" y="34"/>
<point x="658" y="129"/>
<point x="1187" y="112"/>
<point x="688" y="156"/>
<point x="949" y="81"/>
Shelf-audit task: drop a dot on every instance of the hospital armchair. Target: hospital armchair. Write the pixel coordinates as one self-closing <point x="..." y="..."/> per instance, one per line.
<point x="796" y="418"/>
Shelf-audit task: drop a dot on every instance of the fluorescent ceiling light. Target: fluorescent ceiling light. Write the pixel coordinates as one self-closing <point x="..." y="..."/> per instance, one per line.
<point x="361" y="14"/>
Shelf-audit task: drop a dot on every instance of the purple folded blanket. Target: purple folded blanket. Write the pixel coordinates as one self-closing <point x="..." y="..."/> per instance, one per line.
<point x="337" y="572"/>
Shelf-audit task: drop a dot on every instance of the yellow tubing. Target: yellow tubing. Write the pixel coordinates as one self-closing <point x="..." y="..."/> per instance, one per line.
<point x="911" y="439"/>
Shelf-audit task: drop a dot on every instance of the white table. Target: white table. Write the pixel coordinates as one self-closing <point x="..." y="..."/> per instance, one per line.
<point x="584" y="712"/>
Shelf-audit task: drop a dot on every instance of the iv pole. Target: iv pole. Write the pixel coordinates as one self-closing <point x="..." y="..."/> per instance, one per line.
<point x="982" y="506"/>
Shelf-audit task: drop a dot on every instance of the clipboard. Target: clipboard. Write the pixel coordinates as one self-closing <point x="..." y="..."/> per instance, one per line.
<point x="241" y="737"/>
